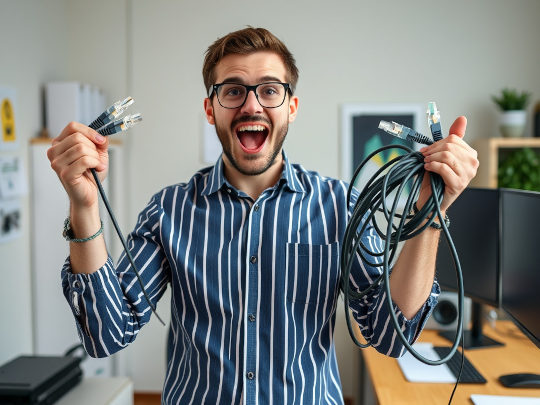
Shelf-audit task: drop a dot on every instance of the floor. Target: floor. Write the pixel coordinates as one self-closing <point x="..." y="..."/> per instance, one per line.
<point x="155" y="399"/>
<point x="146" y="399"/>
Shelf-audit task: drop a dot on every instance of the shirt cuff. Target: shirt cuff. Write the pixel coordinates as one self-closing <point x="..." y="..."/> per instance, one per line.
<point x="423" y="314"/>
<point x="76" y="288"/>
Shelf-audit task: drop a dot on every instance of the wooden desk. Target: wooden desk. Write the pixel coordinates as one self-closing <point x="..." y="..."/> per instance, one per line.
<point x="518" y="355"/>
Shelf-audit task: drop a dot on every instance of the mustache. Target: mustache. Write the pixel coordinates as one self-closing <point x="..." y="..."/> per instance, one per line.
<point x="250" y="118"/>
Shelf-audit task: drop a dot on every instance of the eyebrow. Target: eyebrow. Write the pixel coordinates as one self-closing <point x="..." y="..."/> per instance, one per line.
<point x="237" y="79"/>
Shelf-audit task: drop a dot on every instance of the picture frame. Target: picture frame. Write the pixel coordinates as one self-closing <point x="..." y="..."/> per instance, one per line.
<point x="360" y="134"/>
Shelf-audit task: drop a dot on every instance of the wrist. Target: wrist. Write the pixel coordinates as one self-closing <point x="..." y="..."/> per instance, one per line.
<point x="84" y="221"/>
<point x="435" y="223"/>
<point x="70" y="236"/>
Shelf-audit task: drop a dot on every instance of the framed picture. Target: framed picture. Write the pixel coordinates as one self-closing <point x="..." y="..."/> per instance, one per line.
<point x="361" y="135"/>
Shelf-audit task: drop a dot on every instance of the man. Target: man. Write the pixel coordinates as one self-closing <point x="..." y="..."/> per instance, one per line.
<point x="250" y="247"/>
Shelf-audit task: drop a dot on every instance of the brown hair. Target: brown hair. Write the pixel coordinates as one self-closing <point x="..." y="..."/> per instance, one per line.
<point x="245" y="42"/>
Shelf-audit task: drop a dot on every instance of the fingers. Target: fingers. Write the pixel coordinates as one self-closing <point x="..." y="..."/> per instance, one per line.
<point x="458" y="127"/>
<point x="457" y="132"/>
<point x="76" y="127"/>
<point x="456" y="172"/>
<point x="453" y="179"/>
<point x="76" y="152"/>
<point x="77" y="132"/>
<point x="77" y="149"/>
<point x="72" y="173"/>
<point x="457" y="158"/>
<point x="453" y="159"/>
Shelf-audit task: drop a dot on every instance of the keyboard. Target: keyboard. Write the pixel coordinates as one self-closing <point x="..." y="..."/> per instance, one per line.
<point x="469" y="375"/>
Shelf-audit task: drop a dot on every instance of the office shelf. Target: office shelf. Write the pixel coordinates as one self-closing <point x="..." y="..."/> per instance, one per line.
<point x="490" y="151"/>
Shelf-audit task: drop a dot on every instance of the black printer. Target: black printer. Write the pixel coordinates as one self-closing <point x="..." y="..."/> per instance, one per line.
<point x="37" y="380"/>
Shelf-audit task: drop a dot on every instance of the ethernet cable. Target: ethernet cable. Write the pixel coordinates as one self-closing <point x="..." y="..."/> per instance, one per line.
<point x="105" y="126"/>
<point x="434" y="121"/>
<point x="111" y="113"/>
<point x="394" y="177"/>
<point x="403" y="132"/>
<point x="121" y="124"/>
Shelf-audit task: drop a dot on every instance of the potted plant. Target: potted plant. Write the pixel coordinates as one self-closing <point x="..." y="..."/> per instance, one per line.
<point x="514" y="116"/>
<point x="521" y="170"/>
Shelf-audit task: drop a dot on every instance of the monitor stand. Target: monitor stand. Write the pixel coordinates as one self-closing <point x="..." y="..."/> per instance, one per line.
<point x="473" y="339"/>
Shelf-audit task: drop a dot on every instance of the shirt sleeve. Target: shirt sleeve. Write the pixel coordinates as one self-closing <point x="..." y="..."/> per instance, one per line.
<point x="109" y="305"/>
<point x="372" y="312"/>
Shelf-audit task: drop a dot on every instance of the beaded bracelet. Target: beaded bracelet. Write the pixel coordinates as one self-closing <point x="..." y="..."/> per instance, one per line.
<point x="434" y="224"/>
<point x="70" y="237"/>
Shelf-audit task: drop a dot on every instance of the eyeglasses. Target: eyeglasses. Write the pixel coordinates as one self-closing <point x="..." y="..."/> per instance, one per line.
<point x="234" y="95"/>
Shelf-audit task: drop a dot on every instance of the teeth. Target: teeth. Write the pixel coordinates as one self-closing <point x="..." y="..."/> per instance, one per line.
<point x="251" y="128"/>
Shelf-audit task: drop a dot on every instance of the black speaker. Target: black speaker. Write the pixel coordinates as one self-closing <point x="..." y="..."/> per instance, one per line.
<point x="445" y="314"/>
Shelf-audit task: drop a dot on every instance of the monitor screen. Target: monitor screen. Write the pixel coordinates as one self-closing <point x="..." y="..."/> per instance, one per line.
<point x="474" y="227"/>
<point x="520" y="265"/>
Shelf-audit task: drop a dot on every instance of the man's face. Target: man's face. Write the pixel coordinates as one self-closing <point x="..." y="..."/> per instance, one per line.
<point x="251" y="135"/>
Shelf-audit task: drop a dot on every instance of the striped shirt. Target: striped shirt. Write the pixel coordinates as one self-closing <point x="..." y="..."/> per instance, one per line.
<point x="254" y="290"/>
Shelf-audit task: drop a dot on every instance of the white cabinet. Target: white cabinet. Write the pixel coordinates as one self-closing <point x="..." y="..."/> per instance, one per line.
<point x="72" y="101"/>
<point x="53" y="323"/>
<point x="100" y="391"/>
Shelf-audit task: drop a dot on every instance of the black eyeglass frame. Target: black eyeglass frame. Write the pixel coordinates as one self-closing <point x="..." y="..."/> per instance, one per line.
<point x="215" y="88"/>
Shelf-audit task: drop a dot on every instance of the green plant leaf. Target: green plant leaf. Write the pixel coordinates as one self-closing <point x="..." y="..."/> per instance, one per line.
<point x="511" y="99"/>
<point x="520" y="170"/>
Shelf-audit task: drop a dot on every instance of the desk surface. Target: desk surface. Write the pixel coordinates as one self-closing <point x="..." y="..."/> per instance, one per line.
<point x="518" y="355"/>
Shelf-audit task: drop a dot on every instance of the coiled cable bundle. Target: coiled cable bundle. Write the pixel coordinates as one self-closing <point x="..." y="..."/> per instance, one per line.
<point x="396" y="181"/>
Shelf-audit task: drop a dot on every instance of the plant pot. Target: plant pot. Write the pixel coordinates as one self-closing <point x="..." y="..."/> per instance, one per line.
<point x="512" y="124"/>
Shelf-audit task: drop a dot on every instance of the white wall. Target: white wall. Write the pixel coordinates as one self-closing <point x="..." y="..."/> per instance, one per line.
<point x="34" y="50"/>
<point x="456" y="53"/>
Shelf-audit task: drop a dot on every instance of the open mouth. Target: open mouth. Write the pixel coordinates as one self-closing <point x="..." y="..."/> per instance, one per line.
<point x="252" y="137"/>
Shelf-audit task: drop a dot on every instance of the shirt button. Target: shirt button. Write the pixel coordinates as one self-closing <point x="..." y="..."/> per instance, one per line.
<point x="253" y="259"/>
<point x="229" y="190"/>
<point x="251" y="318"/>
<point x="256" y="207"/>
<point x="76" y="284"/>
<point x="250" y="375"/>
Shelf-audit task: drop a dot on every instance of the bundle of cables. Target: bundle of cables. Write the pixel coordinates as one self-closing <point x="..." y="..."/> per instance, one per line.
<point x="396" y="181"/>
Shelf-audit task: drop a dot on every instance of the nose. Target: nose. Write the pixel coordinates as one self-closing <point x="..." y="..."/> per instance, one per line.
<point x="251" y="105"/>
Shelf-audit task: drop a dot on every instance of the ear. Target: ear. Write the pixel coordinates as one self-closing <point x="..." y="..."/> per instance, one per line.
<point x="209" y="111"/>
<point x="293" y="108"/>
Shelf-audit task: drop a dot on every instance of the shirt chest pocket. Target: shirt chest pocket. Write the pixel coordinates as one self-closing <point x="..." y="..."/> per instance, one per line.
<point x="312" y="272"/>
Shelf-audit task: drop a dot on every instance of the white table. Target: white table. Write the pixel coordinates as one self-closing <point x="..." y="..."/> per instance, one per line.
<point x="100" y="391"/>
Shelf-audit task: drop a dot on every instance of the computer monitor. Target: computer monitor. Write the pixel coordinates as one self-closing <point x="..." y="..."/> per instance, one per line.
<point x="474" y="228"/>
<point x="520" y="214"/>
<point x="519" y="259"/>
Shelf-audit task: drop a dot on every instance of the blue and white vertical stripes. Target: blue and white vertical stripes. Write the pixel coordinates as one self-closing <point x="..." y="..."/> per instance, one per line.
<point x="254" y="290"/>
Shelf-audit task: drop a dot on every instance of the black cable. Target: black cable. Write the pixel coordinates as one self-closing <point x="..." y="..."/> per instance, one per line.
<point x="393" y="178"/>
<point x="124" y="243"/>
<point x="460" y="367"/>
<point x="105" y="130"/>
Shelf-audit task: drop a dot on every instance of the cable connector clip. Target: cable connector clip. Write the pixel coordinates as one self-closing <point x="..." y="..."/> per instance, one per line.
<point x="392" y="128"/>
<point x="121" y="124"/>
<point x="120" y="106"/>
<point x="111" y="113"/>
<point x="403" y="132"/>
<point x="130" y="120"/>
<point x="434" y="121"/>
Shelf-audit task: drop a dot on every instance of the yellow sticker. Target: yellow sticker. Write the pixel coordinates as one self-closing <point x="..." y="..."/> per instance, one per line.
<point x="7" y="118"/>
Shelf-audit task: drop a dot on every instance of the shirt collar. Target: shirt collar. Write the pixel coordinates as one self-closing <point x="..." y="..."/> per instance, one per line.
<point x="216" y="179"/>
